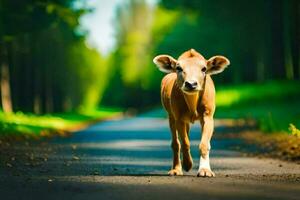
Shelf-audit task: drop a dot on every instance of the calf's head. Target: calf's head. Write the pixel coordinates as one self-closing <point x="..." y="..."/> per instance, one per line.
<point x="191" y="68"/>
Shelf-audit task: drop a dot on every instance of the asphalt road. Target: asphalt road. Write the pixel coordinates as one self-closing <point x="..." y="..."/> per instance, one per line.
<point x="130" y="158"/>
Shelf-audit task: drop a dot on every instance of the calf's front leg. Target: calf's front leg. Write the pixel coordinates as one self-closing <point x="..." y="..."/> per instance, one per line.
<point x="204" y="147"/>
<point x="183" y="128"/>
<point x="175" y="145"/>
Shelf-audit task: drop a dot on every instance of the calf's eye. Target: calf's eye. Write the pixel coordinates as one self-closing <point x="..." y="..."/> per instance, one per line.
<point x="203" y="69"/>
<point x="179" y="69"/>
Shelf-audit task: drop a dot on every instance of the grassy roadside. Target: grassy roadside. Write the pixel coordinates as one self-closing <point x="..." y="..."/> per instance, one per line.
<point x="274" y="105"/>
<point x="21" y="124"/>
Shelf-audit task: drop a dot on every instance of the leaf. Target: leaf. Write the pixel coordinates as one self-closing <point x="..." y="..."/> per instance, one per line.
<point x="95" y="173"/>
<point x="9" y="165"/>
<point x="50" y="8"/>
<point x="76" y="158"/>
<point x="294" y="130"/>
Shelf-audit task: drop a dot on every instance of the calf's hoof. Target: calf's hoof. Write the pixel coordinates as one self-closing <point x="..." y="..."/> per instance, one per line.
<point x="175" y="172"/>
<point x="205" y="173"/>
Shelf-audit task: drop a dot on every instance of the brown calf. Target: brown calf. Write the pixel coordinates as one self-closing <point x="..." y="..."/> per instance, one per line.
<point x="188" y="94"/>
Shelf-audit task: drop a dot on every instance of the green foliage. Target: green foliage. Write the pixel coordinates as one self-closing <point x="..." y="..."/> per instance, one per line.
<point x="249" y="93"/>
<point x="133" y="74"/>
<point x="133" y="23"/>
<point x="162" y="23"/>
<point x="293" y="130"/>
<point x="91" y="77"/>
<point x="274" y="104"/>
<point x="21" y="123"/>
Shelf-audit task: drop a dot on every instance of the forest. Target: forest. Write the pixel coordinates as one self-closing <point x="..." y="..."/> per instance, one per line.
<point x="47" y="68"/>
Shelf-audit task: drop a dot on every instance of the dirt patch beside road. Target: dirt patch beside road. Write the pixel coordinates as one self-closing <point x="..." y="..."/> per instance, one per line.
<point x="277" y="145"/>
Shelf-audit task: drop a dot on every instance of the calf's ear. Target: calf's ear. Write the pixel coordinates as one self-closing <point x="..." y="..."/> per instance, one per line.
<point x="165" y="63"/>
<point x="217" y="64"/>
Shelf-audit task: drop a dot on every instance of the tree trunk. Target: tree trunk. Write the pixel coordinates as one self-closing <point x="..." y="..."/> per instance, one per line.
<point x="37" y="104"/>
<point x="288" y="59"/>
<point x="296" y="38"/>
<point x="37" y="80"/>
<point x="48" y="89"/>
<point x="277" y="43"/>
<point x="5" y="86"/>
<point x="260" y="73"/>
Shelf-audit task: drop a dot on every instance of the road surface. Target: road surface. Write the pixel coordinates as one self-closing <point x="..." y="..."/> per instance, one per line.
<point x="129" y="159"/>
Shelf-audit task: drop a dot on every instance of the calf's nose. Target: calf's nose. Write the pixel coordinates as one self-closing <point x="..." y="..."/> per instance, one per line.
<point x="190" y="85"/>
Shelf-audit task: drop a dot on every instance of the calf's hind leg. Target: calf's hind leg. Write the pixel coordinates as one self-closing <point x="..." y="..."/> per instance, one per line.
<point x="176" y="168"/>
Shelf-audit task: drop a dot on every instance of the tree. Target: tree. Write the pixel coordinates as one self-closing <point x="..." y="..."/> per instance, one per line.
<point x="48" y="66"/>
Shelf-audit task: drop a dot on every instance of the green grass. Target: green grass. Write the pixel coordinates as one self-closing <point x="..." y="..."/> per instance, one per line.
<point x="20" y="123"/>
<point x="273" y="104"/>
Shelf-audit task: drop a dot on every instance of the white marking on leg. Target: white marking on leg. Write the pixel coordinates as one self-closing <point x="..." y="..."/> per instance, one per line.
<point x="204" y="162"/>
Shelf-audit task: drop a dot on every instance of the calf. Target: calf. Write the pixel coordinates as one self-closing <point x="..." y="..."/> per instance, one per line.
<point x="188" y="94"/>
